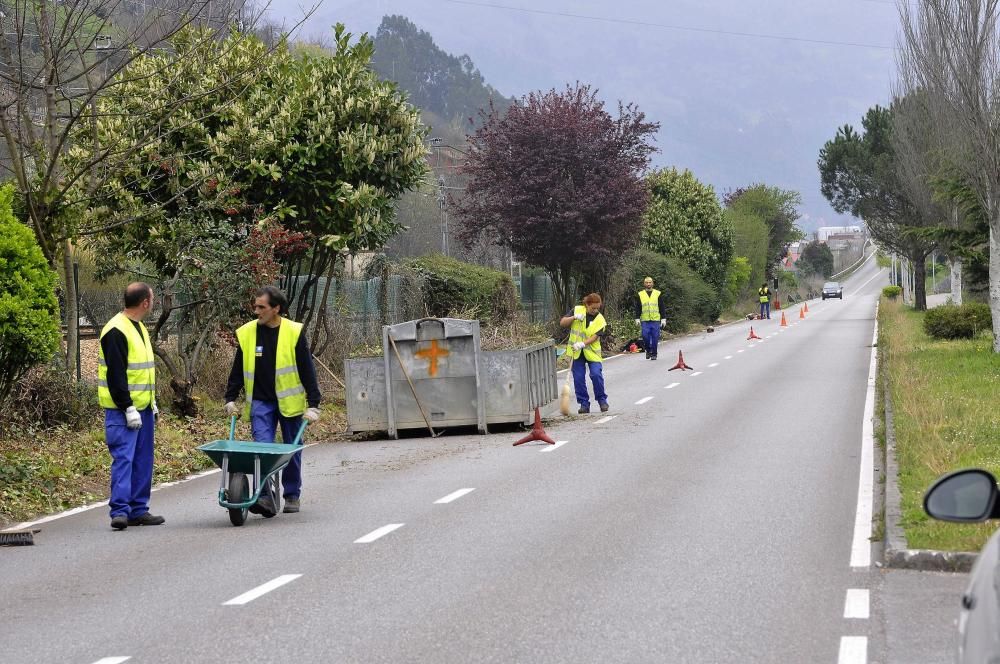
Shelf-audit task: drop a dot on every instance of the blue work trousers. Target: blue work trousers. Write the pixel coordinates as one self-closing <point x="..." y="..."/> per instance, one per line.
<point x="580" y="381"/>
<point x="131" y="462"/>
<point x="765" y="309"/>
<point x="651" y="336"/>
<point x="264" y="420"/>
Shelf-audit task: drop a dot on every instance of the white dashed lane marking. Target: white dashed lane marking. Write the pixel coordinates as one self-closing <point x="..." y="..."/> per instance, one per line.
<point x="549" y="448"/>
<point x="671" y="386"/>
<point x="606" y="418"/>
<point x="696" y="373"/>
<point x="643" y="400"/>
<point x="856" y="603"/>
<point x="713" y="364"/>
<point x="454" y="495"/>
<point x="377" y="533"/>
<point x="729" y="357"/>
<point x="853" y="650"/>
<point x="112" y="660"/>
<point x="251" y="595"/>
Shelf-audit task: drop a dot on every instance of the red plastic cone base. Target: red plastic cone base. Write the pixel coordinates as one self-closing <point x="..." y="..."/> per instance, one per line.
<point x="537" y="432"/>
<point x="753" y="335"/>
<point x="680" y="363"/>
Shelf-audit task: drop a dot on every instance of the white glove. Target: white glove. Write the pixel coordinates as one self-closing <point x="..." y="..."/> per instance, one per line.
<point x="132" y="418"/>
<point x="156" y="411"/>
<point x="578" y="345"/>
<point x="637" y="321"/>
<point x="232" y="409"/>
<point x="312" y="415"/>
<point x="663" y="323"/>
<point x="580" y="316"/>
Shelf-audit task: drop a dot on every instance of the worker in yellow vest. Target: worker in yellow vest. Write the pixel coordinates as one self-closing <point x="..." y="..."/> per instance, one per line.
<point x="764" y="293"/>
<point x="650" y="313"/>
<point x="126" y="389"/>
<point x="586" y="327"/>
<point x="274" y="367"/>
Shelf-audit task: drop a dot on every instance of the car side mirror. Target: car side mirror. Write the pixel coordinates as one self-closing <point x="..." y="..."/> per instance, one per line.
<point x="965" y="496"/>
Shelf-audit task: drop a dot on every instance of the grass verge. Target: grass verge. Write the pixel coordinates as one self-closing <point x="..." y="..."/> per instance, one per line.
<point x="945" y="406"/>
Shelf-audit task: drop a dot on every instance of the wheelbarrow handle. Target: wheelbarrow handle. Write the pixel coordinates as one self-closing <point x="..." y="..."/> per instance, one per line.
<point x="232" y="428"/>
<point x="302" y="428"/>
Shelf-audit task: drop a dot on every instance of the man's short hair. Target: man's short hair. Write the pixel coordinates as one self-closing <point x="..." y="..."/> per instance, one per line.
<point x="275" y="298"/>
<point x="593" y="298"/>
<point x="136" y="293"/>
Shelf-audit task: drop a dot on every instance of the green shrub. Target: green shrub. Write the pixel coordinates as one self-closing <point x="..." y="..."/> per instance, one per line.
<point x="957" y="322"/>
<point x="451" y="286"/>
<point x="47" y="396"/>
<point x="892" y="292"/>
<point x="29" y="327"/>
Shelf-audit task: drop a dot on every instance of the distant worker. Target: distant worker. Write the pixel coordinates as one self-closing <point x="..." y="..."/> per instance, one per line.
<point x="586" y="327"/>
<point x="126" y="389"/>
<point x="275" y="368"/>
<point x="650" y="308"/>
<point x="765" y="300"/>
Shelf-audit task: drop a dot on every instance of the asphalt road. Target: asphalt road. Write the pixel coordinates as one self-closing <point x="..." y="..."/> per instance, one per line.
<point x="712" y="522"/>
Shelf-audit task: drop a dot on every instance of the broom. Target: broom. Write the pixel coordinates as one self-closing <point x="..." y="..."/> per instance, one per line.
<point x="567" y="393"/>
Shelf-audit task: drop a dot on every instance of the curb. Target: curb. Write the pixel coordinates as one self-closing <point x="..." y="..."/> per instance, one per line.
<point x="897" y="555"/>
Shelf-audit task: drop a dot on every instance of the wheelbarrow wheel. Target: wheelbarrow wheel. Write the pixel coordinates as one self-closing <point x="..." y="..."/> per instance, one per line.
<point x="239" y="492"/>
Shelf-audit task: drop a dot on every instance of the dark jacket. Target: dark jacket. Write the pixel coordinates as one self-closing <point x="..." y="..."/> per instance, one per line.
<point x="263" y="384"/>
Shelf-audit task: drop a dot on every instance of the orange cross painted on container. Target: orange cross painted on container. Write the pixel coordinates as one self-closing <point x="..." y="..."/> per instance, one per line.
<point x="432" y="353"/>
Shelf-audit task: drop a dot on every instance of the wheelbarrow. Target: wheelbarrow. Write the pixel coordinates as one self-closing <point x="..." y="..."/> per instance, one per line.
<point x="250" y="470"/>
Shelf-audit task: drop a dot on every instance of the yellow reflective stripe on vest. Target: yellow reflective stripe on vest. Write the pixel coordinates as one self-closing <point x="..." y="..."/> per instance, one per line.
<point x="140" y="370"/>
<point x="650" y="305"/>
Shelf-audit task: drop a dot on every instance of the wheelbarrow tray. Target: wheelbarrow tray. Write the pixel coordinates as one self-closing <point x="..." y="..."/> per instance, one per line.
<point x="242" y="453"/>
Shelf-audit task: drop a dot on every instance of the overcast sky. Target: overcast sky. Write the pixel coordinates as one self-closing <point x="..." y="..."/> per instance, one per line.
<point x="733" y="107"/>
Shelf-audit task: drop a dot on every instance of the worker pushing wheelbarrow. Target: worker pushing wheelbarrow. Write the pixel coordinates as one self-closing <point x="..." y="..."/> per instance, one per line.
<point x="251" y="470"/>
<point x="273" y="367"/>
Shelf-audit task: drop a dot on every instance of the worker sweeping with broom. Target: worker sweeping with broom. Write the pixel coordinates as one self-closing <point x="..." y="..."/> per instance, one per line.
<point x="586" y="327"/>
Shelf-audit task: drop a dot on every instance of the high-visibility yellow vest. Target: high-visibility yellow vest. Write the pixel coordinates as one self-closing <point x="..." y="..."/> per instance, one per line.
<point x="650" y="305"/>
<point x="580" y="331"/>
<point x="140" y="372"/>
<point x="764" y="293"/>
<point x="287" y="385"/>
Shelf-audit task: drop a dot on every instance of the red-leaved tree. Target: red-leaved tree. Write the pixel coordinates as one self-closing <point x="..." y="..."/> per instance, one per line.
<point x="558" y="181"/>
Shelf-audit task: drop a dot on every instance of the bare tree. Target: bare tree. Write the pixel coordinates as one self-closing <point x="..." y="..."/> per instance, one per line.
<point x="951" y="49"/>
<point x="56" y="60"/>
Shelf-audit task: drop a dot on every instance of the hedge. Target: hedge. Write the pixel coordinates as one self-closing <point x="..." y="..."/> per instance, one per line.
<point x="451" y="287"/>
<point x="958" y="322"/>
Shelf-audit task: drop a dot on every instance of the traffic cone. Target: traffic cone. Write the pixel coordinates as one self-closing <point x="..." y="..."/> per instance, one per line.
<point x="807" y="307"/>
<point x="753" y="335"/>
<point x="681" y="364"/>
<point x="784" y="323"/>
<point x="537" y="432"/>
<point x="802" y="313"/>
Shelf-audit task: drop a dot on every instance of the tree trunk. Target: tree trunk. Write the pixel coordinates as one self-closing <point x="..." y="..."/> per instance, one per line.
<point x="995" y="281"/>
<point x="904" y="274"/>
<point x="956" y="280"/>
<point x="920" y="281"/>
<point x="72" y="312"/>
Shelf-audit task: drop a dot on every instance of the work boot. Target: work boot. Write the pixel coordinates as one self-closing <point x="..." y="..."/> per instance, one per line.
<point x="119" y="522"/>
<point x="647" y="354"/>
<point x="264" y="506"/>
<point x="605" y="406"/>
<point x="653" y="357"/>
<point x="291" y="505"/>
<point x="583" y="410"/>
<point x="147" y="519"/>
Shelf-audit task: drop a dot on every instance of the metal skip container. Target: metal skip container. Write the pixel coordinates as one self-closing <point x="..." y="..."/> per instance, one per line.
<point x="433" y="370"/>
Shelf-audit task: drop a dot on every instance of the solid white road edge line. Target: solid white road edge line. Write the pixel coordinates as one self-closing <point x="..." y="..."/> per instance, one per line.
<point x="454" y="495"/>
<point x="549" y="448"/>
<point x="856" y="603"/>
<point x="606" y="418"/>
<point x="378" y="532"/>
<point x="671" y="386"/>
<point x="643" y="400"/>
<point x="853" y="650"/>
<point x="861" y="549"/>
<point x="251" y="595"/>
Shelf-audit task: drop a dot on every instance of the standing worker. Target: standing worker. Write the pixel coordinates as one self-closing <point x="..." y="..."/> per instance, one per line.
<point x="649" y="306"/>
<point x="126" y="389"/>
<point x="765" y="300"/>
<point x="586" y="327"/>
<point x="274" y="367"/>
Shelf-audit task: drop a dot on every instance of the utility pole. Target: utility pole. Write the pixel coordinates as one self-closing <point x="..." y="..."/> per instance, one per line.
<point x="443" y="203"/>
